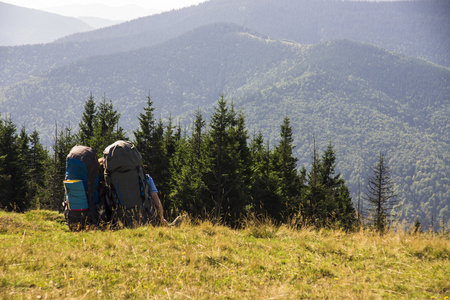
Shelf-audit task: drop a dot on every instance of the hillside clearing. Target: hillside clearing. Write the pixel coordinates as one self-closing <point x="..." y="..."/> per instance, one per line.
<point x="40" y="259"/>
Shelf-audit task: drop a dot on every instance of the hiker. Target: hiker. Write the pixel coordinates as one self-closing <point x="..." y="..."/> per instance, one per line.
<point x="132" y="192"/>
<point x="156" y="201"/>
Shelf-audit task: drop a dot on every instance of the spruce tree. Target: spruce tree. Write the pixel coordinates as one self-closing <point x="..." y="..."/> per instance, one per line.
<point x="14" y="167"/>
<point x="329" y="201"/>
<point x="315" y="192"/>
<point x="228" y="153"/>
<point x="263" y="181"/>
<point x="106" y="126"/>
<point x="239" y="196"/>
<point x="157" y="160"/>
<point x="290" y="185"/>
<point x="189" y="167"/>
<point x="333" y="208"/>
<point x="144" y="135"/>
<point x="40" y="165"/>
<point x="64" y="141"/>
<point x="152" y="142"/>
<point x="87" y="123"/>
<point x="170" y="140"/>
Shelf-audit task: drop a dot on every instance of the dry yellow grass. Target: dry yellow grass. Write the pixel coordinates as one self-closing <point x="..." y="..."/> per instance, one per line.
<point x="41" y="259"/>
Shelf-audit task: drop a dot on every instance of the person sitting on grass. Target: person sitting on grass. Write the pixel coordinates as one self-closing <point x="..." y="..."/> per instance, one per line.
<point x="154" y="194"/>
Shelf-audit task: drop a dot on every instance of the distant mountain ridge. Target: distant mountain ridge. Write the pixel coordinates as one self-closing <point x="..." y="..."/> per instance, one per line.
<point x="414" y="28"/>
<point x="20" y="25"/>
<point x="108" y="12"/>
<point x="97" y="23"/>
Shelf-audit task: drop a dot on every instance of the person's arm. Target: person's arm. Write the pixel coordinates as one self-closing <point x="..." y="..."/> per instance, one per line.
<point x="159" y="207"/>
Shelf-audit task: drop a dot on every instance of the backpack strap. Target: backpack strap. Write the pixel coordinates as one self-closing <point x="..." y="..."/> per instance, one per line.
<point x="90" y="198"/>
<point x="147" y="200"/>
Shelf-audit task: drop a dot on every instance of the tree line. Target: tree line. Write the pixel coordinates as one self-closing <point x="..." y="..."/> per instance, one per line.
<point x="214" y="171"/>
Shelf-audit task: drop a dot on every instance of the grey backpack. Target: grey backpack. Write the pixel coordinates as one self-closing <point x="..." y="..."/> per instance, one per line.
<point x="128" y="189"/>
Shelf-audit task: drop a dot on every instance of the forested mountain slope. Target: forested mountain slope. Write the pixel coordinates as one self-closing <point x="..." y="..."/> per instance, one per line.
<point x="180" y="74"/>
<point x="20" y="25"/>
<point x="361" y="98"/>
<point x="365" y="101"/>
<point x="415" y="28"/>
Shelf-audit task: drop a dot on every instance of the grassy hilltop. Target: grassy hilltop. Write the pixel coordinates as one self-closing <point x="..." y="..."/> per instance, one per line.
<point x="40" y="259"/>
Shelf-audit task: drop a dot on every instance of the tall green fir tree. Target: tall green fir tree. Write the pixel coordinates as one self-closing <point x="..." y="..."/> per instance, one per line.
<point x="106" y="127"/>
<point x="65" y="139"/>
<point x="266" y="201"/>
<point x="290" y="183"/>
<point x="14" y="168"/>
<point x="87" y="123"/>
<point x="337" y="206"/>
<point x="144" y="135"/>
<point x="315" y="192"/>
<point x="328" y="201"/>
<point x="189" y="168"/>
<point x="171" y="138"/>
<point x="227" y="181"/>
<point x="40" y="166"/>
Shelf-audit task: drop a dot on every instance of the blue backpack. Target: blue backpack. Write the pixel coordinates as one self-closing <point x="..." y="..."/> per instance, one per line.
<point x="81" y="187"/>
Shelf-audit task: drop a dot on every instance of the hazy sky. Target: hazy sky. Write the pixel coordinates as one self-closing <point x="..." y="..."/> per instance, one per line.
<point x="90" y="7"/>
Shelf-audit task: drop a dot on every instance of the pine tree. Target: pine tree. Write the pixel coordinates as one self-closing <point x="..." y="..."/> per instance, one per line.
<point x="263" y="181"/>
<point x="239" y="196"/>
<point x="170" y="140"/>
<point x="338" y="206"/>
<point x="329" y="201"/>
<point x="381" y="195"/>
<point x="87" y="123"/>
<point x="189" y="168"/>
<point x="40" y="165"/>
<point x="64" y="141"/>
<point x="157" y="160"/>
<point x="106" y="126"/>
<point x="145" y="133"/>
<point x="285" y="165"/>
<point x="315" y="191"/>
<point x="228" y="172"/>
<point x="14" y="196"/>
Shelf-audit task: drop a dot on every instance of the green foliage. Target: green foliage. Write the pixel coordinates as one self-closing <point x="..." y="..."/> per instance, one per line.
<point x="289" y="184"/>
<point x="266" y="198"/>
<point x="24" y="166"/>
<point x="189" y="167"/>
<point x="228" y="175"/>
<point x="144" y="136"/>
<point x="87" y="123"/>
<point x="40" y="171"/>
<point x="106" y="126"/>
<point x="65" y="139"/>
<point x="13" y="167"/>
<point x="99" y="125"/>
<point x="327" y="198"/>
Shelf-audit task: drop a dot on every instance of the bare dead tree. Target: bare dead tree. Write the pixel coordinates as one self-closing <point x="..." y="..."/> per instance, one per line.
<point x="380" y="195"/>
